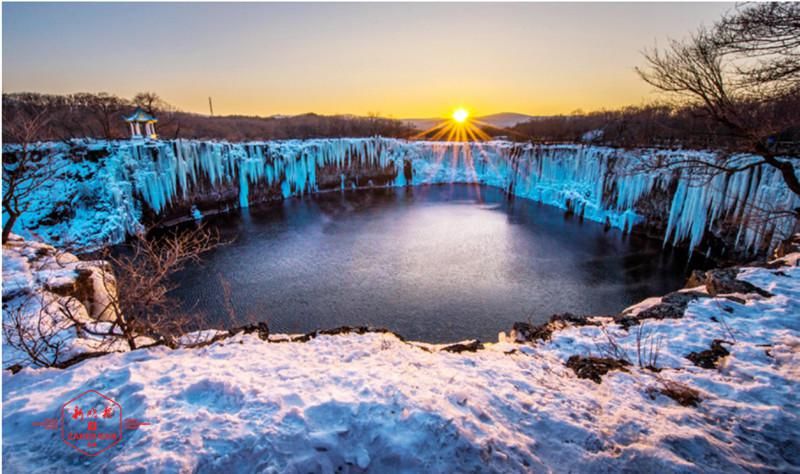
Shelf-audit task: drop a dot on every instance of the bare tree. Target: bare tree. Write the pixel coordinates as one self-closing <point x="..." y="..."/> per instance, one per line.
<point x="104" y="108"/>
<point x="169" y="122"/>
<point x="150" y="102"/>
<point x="40" y="325"/>
<point x="26" y="167"/>
<point x="769" y="34"/>
<point x="100" y="116"/>
<point x="744" y="79"/>
<point x="34" y="328"/>
<point x="140" y="303"/>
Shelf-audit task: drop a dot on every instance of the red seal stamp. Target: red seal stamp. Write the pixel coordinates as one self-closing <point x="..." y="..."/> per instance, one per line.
<point x="91" y="423"/>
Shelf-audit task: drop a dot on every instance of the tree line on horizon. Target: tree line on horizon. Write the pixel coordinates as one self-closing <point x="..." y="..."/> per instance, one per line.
<point x="101" y="116"/>
<point x="661" y="125"/>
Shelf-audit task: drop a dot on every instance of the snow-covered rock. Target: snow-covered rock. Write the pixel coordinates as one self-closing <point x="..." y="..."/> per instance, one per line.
<point x="105" y="188"/>
<point x="45" y="292"/>
<point x="370" y="402"/>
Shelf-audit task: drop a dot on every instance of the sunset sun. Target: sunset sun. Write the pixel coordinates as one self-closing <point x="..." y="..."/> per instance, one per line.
<point x="460" y="115"/>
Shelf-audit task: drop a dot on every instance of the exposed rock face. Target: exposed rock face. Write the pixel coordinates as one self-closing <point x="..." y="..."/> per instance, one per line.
<point x="36" y="268"/>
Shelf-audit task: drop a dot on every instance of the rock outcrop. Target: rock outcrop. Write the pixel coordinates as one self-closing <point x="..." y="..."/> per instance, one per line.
<point x="47" y="290"/>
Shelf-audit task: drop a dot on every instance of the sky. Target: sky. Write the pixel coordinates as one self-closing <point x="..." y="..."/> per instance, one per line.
<point x="400" y="60"/>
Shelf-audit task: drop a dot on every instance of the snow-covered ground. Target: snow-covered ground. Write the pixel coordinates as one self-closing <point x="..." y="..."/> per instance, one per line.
<point x="103" y="188"/>
<point x="373" y="403"/>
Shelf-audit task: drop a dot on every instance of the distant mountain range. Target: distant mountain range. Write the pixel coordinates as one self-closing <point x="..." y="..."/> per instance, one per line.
<point x="501" y="120"/>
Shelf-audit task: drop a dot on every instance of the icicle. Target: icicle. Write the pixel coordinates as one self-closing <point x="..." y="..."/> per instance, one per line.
<point x="599" y="183"/>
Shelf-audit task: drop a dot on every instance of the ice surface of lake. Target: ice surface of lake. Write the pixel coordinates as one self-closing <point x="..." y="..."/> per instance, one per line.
<point x="432" y="263"/>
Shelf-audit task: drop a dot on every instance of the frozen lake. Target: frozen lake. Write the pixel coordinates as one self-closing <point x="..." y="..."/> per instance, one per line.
<point x="432" y="263"/>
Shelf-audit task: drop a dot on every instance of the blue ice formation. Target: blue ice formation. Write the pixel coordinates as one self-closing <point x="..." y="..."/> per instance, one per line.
<point x="598" y="183"/>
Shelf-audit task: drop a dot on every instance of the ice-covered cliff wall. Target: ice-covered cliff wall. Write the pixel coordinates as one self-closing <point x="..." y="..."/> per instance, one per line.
<point x="105" y="197"/>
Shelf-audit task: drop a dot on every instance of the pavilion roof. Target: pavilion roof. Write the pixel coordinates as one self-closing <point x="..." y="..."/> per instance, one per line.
<point x="140" y="116"/>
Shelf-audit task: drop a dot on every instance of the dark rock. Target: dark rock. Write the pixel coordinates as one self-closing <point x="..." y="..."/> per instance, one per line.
<point x="681" y="299"/>
<point x="357" y="330"/>
<point x="723" y="281"/>
<point x="525" y="332"/>
<point x="471" y="346"/>
<point x="344" y="330"/>
<point x="672" y="306"/>
<point x="626" y="321"/>
<point x="261" y="327"/>
<point x="14" y="368"/>
<point x="593" y="368"/>
<point x="572" y="319"/>
<point x="80" y="288"/>
<point x="774" y="265"/>
<point x="708" y="359"/>
<point x="696" y="278"/>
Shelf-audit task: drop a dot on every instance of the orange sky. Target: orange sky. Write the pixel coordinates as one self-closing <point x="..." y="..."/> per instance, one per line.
<point x="400" y="60"/>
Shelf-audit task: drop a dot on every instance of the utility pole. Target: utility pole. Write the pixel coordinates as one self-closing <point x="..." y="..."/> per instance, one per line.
<point x="210" y="106"/>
